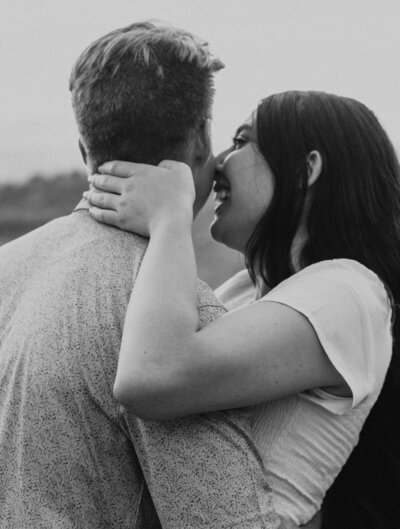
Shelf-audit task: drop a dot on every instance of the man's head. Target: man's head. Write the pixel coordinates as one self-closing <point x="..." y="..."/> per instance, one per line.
<point x="144" y="93"/>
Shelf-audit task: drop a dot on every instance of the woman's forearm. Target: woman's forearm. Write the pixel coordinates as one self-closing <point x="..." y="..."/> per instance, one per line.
<point x="168" y="366"/>
<point x="161" y="316"/>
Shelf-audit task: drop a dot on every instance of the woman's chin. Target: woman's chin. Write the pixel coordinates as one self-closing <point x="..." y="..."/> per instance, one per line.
<point x="219" y="233"/>
<point x="229" y="237"/>
<point x="216" y="230"/>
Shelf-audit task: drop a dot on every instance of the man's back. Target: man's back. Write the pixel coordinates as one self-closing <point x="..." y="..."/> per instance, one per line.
<point x="65" y="455"/>
<point x="70" y="456"/>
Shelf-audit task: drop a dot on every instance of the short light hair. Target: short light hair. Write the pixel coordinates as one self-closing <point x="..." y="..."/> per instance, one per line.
<point x="139" y="91"/>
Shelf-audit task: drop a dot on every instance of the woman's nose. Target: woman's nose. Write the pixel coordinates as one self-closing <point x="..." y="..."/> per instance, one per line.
<point x="220" y="158"/>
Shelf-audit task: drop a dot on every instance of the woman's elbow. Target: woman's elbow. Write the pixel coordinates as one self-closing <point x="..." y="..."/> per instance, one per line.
<point x="124" y="393"/>
<point x="146" y="399"/>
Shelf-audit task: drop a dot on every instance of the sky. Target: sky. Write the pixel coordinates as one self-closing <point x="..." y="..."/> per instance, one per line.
<point x="348" y="47"/>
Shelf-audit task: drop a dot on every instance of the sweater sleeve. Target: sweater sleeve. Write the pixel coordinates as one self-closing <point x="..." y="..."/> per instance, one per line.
<point x="349" y="309"/>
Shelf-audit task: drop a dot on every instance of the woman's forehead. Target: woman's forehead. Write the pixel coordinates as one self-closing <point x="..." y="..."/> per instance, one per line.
<point x="248" y="124"/>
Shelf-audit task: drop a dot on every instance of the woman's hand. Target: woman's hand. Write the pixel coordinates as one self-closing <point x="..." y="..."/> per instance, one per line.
<point x="140" y="198"/>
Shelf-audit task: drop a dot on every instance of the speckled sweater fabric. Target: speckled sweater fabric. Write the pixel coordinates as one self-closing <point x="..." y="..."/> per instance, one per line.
<point x="70" y="456"/>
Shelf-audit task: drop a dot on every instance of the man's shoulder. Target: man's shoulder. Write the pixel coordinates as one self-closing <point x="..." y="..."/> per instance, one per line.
<point x="75" y="247"/>
<point x="101" y="246"/>
<point x="103" y="255"/>
<point x="108" y="239"/>
<point x="208" y="305"/>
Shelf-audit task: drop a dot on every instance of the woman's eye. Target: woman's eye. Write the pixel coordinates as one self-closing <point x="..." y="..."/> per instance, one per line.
<point x="238" y="142"/>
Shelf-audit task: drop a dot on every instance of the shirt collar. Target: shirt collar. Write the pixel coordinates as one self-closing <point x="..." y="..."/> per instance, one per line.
<point x="82" y="204"/>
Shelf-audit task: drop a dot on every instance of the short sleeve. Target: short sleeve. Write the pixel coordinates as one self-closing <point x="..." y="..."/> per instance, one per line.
<point x="349" y="309"/>
<point x="238" y="291"/>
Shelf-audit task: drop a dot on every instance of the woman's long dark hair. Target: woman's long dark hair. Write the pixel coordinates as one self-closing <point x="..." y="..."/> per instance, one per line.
<point x="354" y="214"/>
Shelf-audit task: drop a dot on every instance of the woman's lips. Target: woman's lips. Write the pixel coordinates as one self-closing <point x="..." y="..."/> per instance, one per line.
<point x="222" y="192"/>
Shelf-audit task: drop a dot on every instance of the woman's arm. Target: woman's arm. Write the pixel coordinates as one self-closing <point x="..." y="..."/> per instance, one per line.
<point x="168" y="367"/>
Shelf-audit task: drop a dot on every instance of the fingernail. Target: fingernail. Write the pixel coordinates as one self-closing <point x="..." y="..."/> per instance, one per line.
<point x="90" y="178"/>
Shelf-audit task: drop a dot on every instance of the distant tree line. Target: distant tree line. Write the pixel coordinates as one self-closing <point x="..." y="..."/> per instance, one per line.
<point x="24" y="207"/>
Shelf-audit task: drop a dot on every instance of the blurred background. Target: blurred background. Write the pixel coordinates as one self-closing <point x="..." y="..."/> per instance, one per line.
<point x="349" y="47"/>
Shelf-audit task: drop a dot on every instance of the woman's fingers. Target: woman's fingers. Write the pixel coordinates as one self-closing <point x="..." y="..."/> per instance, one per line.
<point x="144" y="197"/>
<point x="120" y="169"/>
<point x="106" y="216"/>
<point x="102" y="200"/>
<point x="114" y="210"/>
<point x="107" y="182"/>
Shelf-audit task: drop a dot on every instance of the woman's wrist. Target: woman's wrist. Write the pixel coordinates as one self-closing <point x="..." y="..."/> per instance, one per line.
<point x="180" y="220"/>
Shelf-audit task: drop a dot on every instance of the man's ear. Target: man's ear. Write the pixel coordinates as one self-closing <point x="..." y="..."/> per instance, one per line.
<point x="202" y="142"/>
<point x="314" y="166"/>
<point x="83" y="151"/>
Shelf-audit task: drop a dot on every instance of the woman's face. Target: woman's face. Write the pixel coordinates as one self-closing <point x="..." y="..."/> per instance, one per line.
<point x="244" y="186"/>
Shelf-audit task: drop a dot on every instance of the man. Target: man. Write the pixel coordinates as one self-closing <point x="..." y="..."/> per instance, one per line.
<point x="70" y="456"/>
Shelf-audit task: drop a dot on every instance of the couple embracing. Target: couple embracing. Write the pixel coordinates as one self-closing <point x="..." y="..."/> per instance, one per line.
<point x="133" y="396"/>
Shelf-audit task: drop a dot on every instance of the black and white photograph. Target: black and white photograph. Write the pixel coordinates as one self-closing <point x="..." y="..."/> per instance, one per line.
<point x="200" y="264"/>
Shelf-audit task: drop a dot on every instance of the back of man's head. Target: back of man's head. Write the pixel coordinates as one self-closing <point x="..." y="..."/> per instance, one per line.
<point x="139" y="92"/>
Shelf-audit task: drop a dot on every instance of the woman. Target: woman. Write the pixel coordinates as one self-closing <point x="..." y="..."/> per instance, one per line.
<point x="309" y="193"/>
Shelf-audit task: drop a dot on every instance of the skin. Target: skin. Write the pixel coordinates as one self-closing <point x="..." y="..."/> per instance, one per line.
<point x="247" y="178"/>
<point x="258" y="353"/>
<point x="199" y="157"/>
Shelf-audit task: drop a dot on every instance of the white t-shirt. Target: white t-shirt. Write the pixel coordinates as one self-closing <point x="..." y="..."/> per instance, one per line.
<point x="305" y="439"/>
